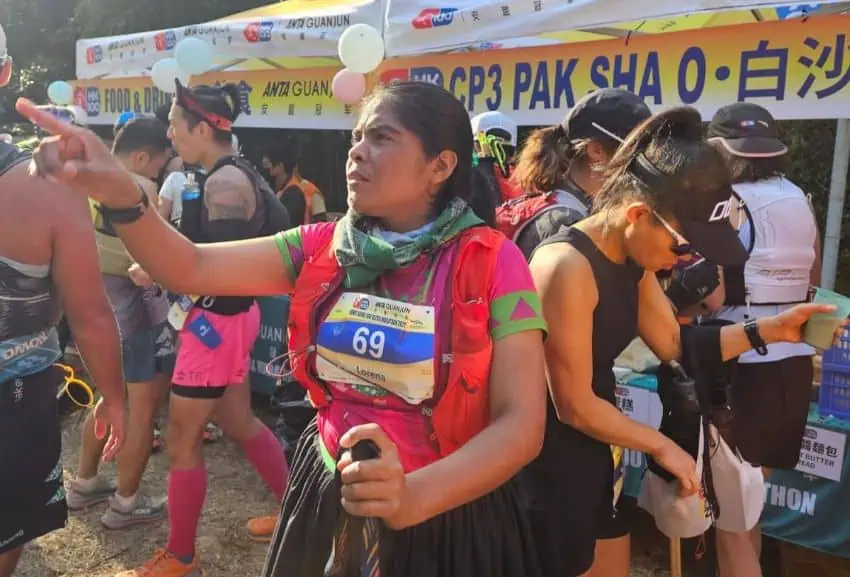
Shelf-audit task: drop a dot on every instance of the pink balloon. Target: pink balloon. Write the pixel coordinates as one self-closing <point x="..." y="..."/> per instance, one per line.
<point x="348" y="87"/>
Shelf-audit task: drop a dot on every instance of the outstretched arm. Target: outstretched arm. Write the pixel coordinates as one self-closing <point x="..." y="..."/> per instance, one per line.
<point x="79" y="158"/>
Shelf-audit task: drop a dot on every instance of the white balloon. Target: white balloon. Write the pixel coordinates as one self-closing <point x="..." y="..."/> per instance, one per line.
<point x="361" y="48"/>
<point x="60" y="93"/>
<point x="165" y="72"/>
<point x="194" y="55"/>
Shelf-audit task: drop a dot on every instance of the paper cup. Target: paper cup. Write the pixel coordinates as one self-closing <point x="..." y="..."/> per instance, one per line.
<point x="820" y="330"/>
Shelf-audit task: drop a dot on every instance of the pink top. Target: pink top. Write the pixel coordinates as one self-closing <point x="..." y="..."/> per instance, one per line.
<point x="514" y="307"/>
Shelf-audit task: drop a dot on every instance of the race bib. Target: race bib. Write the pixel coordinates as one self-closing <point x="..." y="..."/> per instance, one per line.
<point x="619" y="472"/>
<point x="377" y="344"/>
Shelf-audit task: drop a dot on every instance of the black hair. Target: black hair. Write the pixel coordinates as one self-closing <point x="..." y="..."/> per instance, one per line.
<point x="162" y="112"/>
<point x="440" y="122"/>
<point x="221" y="100"/>
<point x="148" y="134"/>
<point x="547" y="155"/>
<point x="742" y="169"/>
<point x="664" y="162"/>
<point x="285" y="154"/>
<point x="486" y="192"/>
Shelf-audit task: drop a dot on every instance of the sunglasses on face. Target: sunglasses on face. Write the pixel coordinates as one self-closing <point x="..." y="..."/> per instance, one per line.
<point x="681" y="246"/>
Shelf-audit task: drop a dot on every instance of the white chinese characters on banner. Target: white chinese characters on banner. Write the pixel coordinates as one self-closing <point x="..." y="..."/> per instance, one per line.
<point x="822" y="454"/>
<point x="419" y="26"/>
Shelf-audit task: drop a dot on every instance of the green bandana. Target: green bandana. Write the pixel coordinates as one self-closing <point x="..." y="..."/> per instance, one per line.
<point x="365" y="257"/>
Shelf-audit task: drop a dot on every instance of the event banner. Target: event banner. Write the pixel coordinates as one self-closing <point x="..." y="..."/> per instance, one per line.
<point x="808" y="506"/>
<point x="799" y="69"/>
<point x="810" y="510"/>
<point x="270" y="98"/>
<point x="267" y="362"/>
<point x="293" y="28"/>
<point x="418" y="26"/>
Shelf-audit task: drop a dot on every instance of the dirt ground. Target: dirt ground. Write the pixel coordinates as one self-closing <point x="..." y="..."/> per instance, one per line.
<point x="235" y="494"/>
<point x="84" y="549"/>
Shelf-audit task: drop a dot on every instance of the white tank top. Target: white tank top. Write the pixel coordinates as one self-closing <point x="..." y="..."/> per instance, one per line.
<point x="779" y="267"/>
<point x="784" y="231"/>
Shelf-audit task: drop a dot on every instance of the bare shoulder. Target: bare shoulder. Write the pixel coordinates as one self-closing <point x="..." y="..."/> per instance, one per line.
<point x="558" y="265"/>
<point x="229" y="194"/>
<point x="39" y="211"/>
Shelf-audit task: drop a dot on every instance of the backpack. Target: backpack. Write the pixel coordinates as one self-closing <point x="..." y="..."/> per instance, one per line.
<point x="514" y="215"/>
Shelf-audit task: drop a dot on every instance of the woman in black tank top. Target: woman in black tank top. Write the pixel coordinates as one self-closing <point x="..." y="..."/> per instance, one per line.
<point x="666" y="196"/>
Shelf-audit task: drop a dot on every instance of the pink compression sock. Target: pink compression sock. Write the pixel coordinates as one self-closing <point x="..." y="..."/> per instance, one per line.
<point x="265" y="453"/>
<point x="187" y="490"/>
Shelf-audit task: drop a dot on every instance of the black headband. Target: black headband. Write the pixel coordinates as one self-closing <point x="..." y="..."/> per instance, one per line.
<point x="645" y="171"/>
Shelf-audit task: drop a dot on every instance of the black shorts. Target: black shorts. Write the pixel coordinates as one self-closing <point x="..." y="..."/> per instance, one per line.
<point x="32" y="494"/>
<point x="568" y="492"/>
<point x="770" y="406"/>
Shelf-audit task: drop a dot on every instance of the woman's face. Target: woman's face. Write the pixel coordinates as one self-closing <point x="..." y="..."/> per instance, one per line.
<point x="597" y="160"/>
<point x="388" y="173"/>
<point x="654" y="242"/>
<point x="187" y="142"/>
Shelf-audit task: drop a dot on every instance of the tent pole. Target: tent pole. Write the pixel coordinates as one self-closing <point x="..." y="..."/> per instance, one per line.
<point x="835" y="213"/>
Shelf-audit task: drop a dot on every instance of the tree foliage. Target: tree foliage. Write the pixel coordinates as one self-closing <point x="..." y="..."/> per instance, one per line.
<point x="42" y="34"/>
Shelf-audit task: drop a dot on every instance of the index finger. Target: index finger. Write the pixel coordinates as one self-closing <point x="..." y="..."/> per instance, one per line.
<point x="371" y="432"/>
<point x="44" y="119"/>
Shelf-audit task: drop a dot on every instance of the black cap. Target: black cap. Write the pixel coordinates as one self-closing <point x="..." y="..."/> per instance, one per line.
<point x="702" y="212"/>
<point x="707" y="228"/>
<point x="606" y="113"/>
<point x="747" y="130"/>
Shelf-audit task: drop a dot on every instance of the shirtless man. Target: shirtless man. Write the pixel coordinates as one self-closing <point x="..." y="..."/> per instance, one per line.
<point x="48" y="262"/>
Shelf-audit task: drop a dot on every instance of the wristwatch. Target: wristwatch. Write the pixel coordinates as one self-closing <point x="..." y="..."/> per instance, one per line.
<point x="129" y="214"/>
<point x="751" y="329"/>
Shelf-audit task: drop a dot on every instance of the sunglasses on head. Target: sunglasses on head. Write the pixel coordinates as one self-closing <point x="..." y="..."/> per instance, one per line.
<point x="681" y="247"/>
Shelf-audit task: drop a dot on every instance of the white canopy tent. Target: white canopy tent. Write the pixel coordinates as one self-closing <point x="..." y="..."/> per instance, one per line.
<point x="293" y="34"/>
<point x="299" y="34"/>
<point x="416" y="27"/>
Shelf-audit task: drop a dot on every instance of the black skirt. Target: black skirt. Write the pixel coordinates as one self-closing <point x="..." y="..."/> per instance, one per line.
<point x="488" y="537"/>
<point x="770" y="406"/>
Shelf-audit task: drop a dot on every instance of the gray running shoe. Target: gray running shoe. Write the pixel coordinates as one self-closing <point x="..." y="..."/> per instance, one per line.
<point x="79" y="498"/>
<point x="145" y="510"/>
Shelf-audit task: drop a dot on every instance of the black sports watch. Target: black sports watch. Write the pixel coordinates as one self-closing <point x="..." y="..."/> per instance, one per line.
<point x="129" y="214"/>
<point x="751" y="329"/>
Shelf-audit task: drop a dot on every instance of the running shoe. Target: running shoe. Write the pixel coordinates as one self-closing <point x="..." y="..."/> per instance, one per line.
<point x="164" y="564"/>
<point x="144" y="510"/>
<point x="212" y="433"/>
<point x="261" y="529"/>
<point x="80" y="497"/>
<point x="158" y="443"/>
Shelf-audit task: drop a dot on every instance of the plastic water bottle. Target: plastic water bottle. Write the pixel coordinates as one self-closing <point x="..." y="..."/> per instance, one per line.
<point x="191" y="190"/>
